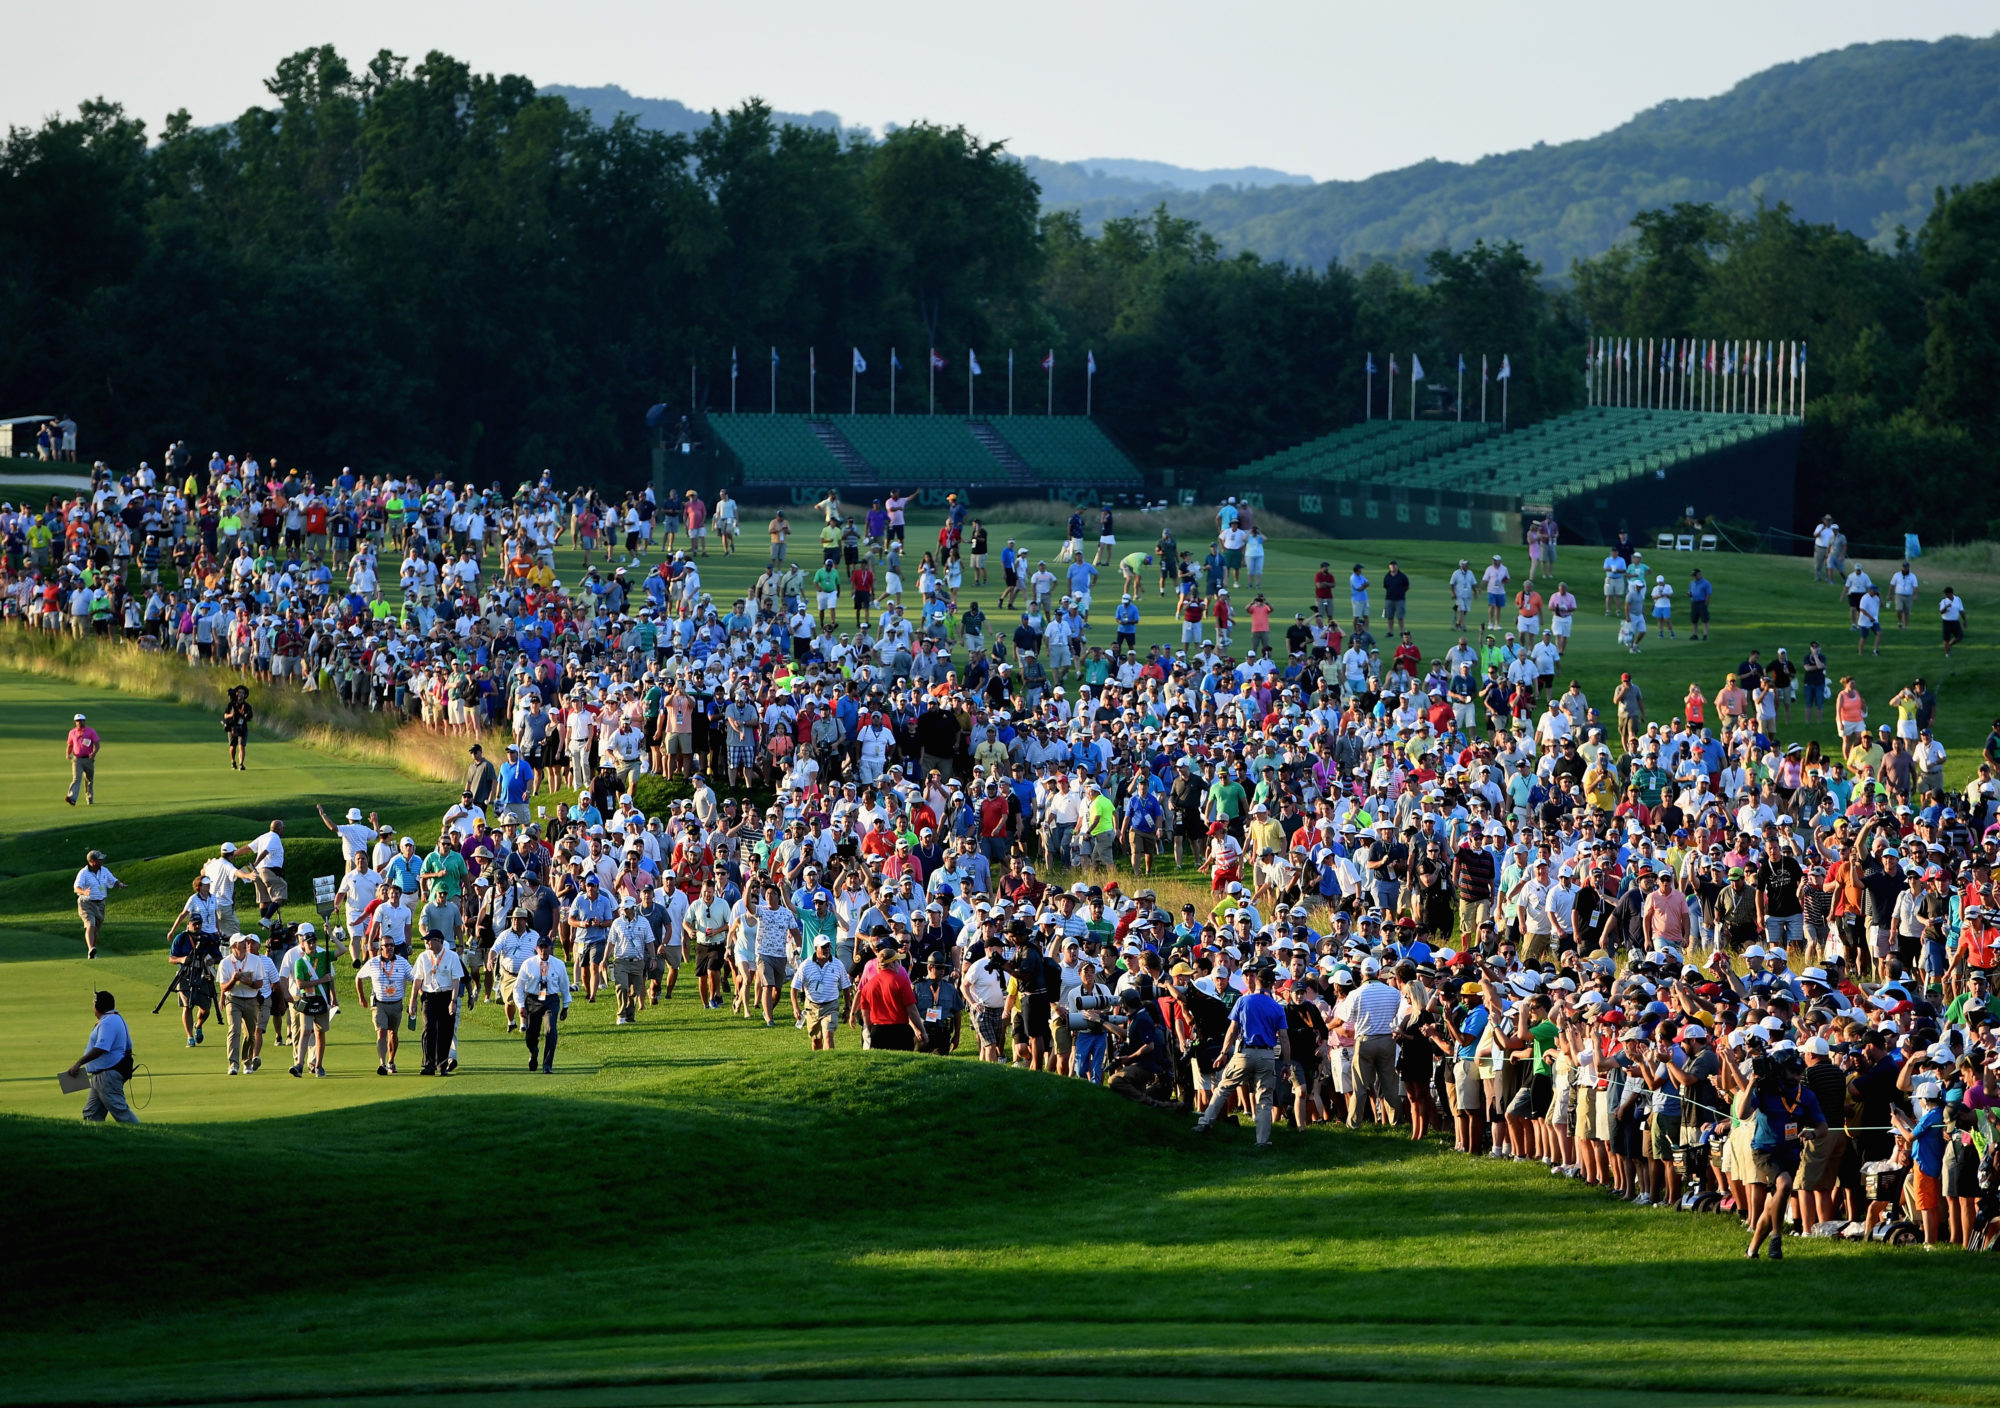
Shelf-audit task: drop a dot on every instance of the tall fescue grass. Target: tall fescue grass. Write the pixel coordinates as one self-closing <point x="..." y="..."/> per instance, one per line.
<point x="1979" y="558"/>
<point x="321" y="720"/>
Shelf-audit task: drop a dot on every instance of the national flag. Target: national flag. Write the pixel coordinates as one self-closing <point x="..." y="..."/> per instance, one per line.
<point x="1049" y="362"/>
<point x="937" y="362"/>
<point x="895" y="362"/>
<point x="1392" y="364"/>
<point x="973" y="357"/>
<point x="1625" y="352"/>
<point x="1506" y="371"/>
<point x="860" y="365"/>
<point x="1461" y="364"/>
<point x="774" y="357"/>
<point x="732" y="364"/>
<point x="812" y="361"/>
<point x="1729" y="360"/>
<point x="1802" y="358"/>
<point x="1687" y="359"/>
<point x="1708" y="359"/>
<point x="1090" y="363"/>
<point x="1416" y="367"/>
<point x="1371" y="364"/>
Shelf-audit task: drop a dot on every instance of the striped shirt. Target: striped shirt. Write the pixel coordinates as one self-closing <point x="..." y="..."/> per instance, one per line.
<point x="1375" y="1008"/>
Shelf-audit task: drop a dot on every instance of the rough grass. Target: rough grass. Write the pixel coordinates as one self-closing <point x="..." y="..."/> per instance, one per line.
<point x="321" y="720"/>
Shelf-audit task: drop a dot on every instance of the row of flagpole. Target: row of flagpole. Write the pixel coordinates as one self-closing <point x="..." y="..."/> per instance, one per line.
<point x="1731" y="375"/>
<point x="1505" y="375"/>
<point x="859" y="364"/>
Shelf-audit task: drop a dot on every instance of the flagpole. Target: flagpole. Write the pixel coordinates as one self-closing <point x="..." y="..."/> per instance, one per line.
<point x="1458" y="399"/>
<point x="812" y="381"/>
<point x="774" y="381"/>
<point x="1802" y="381"/>
<point x="1368" y="389"/>
<point x="971" y="383"/>
<point x="1051" y="370"/>
<point x="1089" y="379"/>
<point x="853" y="381"/>
<point x="892" y="381"/>
<point x="1505" y="382"/>
<point x="1482" y="388"/>
<point x="732" y="381"/>
<point x="1415" y="361"/>
<point x="933" y="410"/>
<point x="1389" y="400"/>
<point x="1010" y="383"/>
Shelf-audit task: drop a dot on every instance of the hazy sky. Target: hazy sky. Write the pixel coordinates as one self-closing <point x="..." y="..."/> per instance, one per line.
<point x="1333" y="89"/>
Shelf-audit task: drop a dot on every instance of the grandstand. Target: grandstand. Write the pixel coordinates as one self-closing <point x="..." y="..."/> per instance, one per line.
<point x="1598" y="470"/>
<point x="799" y="457"/>
<point x="1373" y="451"/>
<point x="1067" y="449"/>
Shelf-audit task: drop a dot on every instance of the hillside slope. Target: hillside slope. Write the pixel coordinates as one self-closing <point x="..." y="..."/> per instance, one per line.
<point x="1860" y="137"/>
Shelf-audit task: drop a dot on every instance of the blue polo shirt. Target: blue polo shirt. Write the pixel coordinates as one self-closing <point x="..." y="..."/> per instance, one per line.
<point x="1262" y="1018"/>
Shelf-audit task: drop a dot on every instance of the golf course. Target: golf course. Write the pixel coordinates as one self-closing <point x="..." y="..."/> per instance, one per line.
<point x="697" y="1210"/>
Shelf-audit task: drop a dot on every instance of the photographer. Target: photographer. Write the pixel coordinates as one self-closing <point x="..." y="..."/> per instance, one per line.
<point x="195" y="950"/>
<point x="1781" y="1112"/>
<point x="1142" y="1070"/>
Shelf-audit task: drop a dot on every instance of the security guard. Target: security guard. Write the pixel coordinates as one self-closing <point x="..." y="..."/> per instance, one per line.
<point x="542" y="990"/>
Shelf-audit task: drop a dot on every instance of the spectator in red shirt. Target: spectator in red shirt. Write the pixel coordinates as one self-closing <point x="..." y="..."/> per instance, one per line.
<point x="885" y="1005"/>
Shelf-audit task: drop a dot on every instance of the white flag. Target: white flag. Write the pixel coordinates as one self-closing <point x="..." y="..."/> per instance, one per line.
<point x="1506" y="371"/>
<point x="1416" y="367"/>
<point x="859" y="364"/>
<point x="973" y="357"/>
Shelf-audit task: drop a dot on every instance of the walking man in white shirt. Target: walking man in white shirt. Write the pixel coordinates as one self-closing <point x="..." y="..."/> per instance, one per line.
<point x="542" y="990"/>
<point x="819" y="982"/>
<point x="436" y="978"/>
<point x="93" y="884"/>
<point x="513" y="947"/>
<point x="241" y="981"/>
<point x="106" y="1062"/>
<point x="388" y="978"/>
<point x="631" y="944"/>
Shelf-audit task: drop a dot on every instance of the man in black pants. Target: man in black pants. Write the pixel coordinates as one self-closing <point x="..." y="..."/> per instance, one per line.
<point x="437" y="977"/>
<point x="542" y="990"/>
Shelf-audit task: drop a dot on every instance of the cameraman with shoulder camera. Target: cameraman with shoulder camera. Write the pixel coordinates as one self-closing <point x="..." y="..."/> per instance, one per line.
<point x="1782" y="1113"/>
<point x="195" y="948"/>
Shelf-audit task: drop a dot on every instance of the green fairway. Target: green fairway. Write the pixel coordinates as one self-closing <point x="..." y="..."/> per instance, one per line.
<point x="697" y="1210"/>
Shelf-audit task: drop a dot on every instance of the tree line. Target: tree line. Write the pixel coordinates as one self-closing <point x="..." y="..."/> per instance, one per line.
<point x="417" y="267"/>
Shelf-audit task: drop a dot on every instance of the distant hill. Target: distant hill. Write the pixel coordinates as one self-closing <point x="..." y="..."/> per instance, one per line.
<point x="1860" y="137"/>
<point x="664" y="114"/>
<point x="1121" y="182"/>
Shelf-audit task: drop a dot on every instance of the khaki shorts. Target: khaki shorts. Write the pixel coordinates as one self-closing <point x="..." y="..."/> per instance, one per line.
<point x="679" y="743"/>
<point x="824" y="1019"/>
<point x="311" y="1021"/>
<point x="1819" y="1169"/>
<point x="387" y="1014"/>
